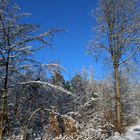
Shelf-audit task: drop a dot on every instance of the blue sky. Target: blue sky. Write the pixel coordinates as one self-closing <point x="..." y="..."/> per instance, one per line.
<point x="69" y="47"/>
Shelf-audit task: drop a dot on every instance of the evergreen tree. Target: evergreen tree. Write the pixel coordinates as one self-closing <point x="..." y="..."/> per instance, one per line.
<point x="58" y="79"/>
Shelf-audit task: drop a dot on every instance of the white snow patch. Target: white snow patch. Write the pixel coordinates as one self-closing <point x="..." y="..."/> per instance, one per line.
<point x="133" y="133"/>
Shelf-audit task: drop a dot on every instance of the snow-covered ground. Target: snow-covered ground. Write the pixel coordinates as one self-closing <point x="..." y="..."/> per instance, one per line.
<point x="133" y="133"/>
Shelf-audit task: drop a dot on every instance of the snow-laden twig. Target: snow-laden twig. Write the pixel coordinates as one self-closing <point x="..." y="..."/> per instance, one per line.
<point x="54" y="87"/>
<point x="54" y="65"/>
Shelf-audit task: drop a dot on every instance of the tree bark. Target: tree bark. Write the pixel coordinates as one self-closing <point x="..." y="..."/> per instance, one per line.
<point x="4" y="115"/>
<point x="118" y="99"/>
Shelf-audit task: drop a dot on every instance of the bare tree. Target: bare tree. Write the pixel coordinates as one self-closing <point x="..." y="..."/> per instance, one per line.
<point x="118" y="38"/>
<point x="15" y="53"/>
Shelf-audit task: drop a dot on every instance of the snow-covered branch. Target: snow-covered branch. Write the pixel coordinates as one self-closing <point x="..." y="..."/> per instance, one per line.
<point x="46" y="84"/>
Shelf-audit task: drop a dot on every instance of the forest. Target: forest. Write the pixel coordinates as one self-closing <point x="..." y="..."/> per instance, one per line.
<point x="37" y="102"/>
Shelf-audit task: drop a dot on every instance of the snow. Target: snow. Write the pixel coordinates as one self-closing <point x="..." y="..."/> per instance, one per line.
<point x="54" y="87"/>
<point x="54" y="65"/>
<point x="133" y="133"/>
<point x="96" y="94"/>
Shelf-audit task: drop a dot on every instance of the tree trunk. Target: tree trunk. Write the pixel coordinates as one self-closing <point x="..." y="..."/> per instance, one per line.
<point x="118" y="100"/>
<point x="4" y="116"/>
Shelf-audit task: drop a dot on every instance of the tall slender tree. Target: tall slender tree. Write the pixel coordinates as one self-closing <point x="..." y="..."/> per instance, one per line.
<point x="15" y="53"/>
<point x="118" y="38"/>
